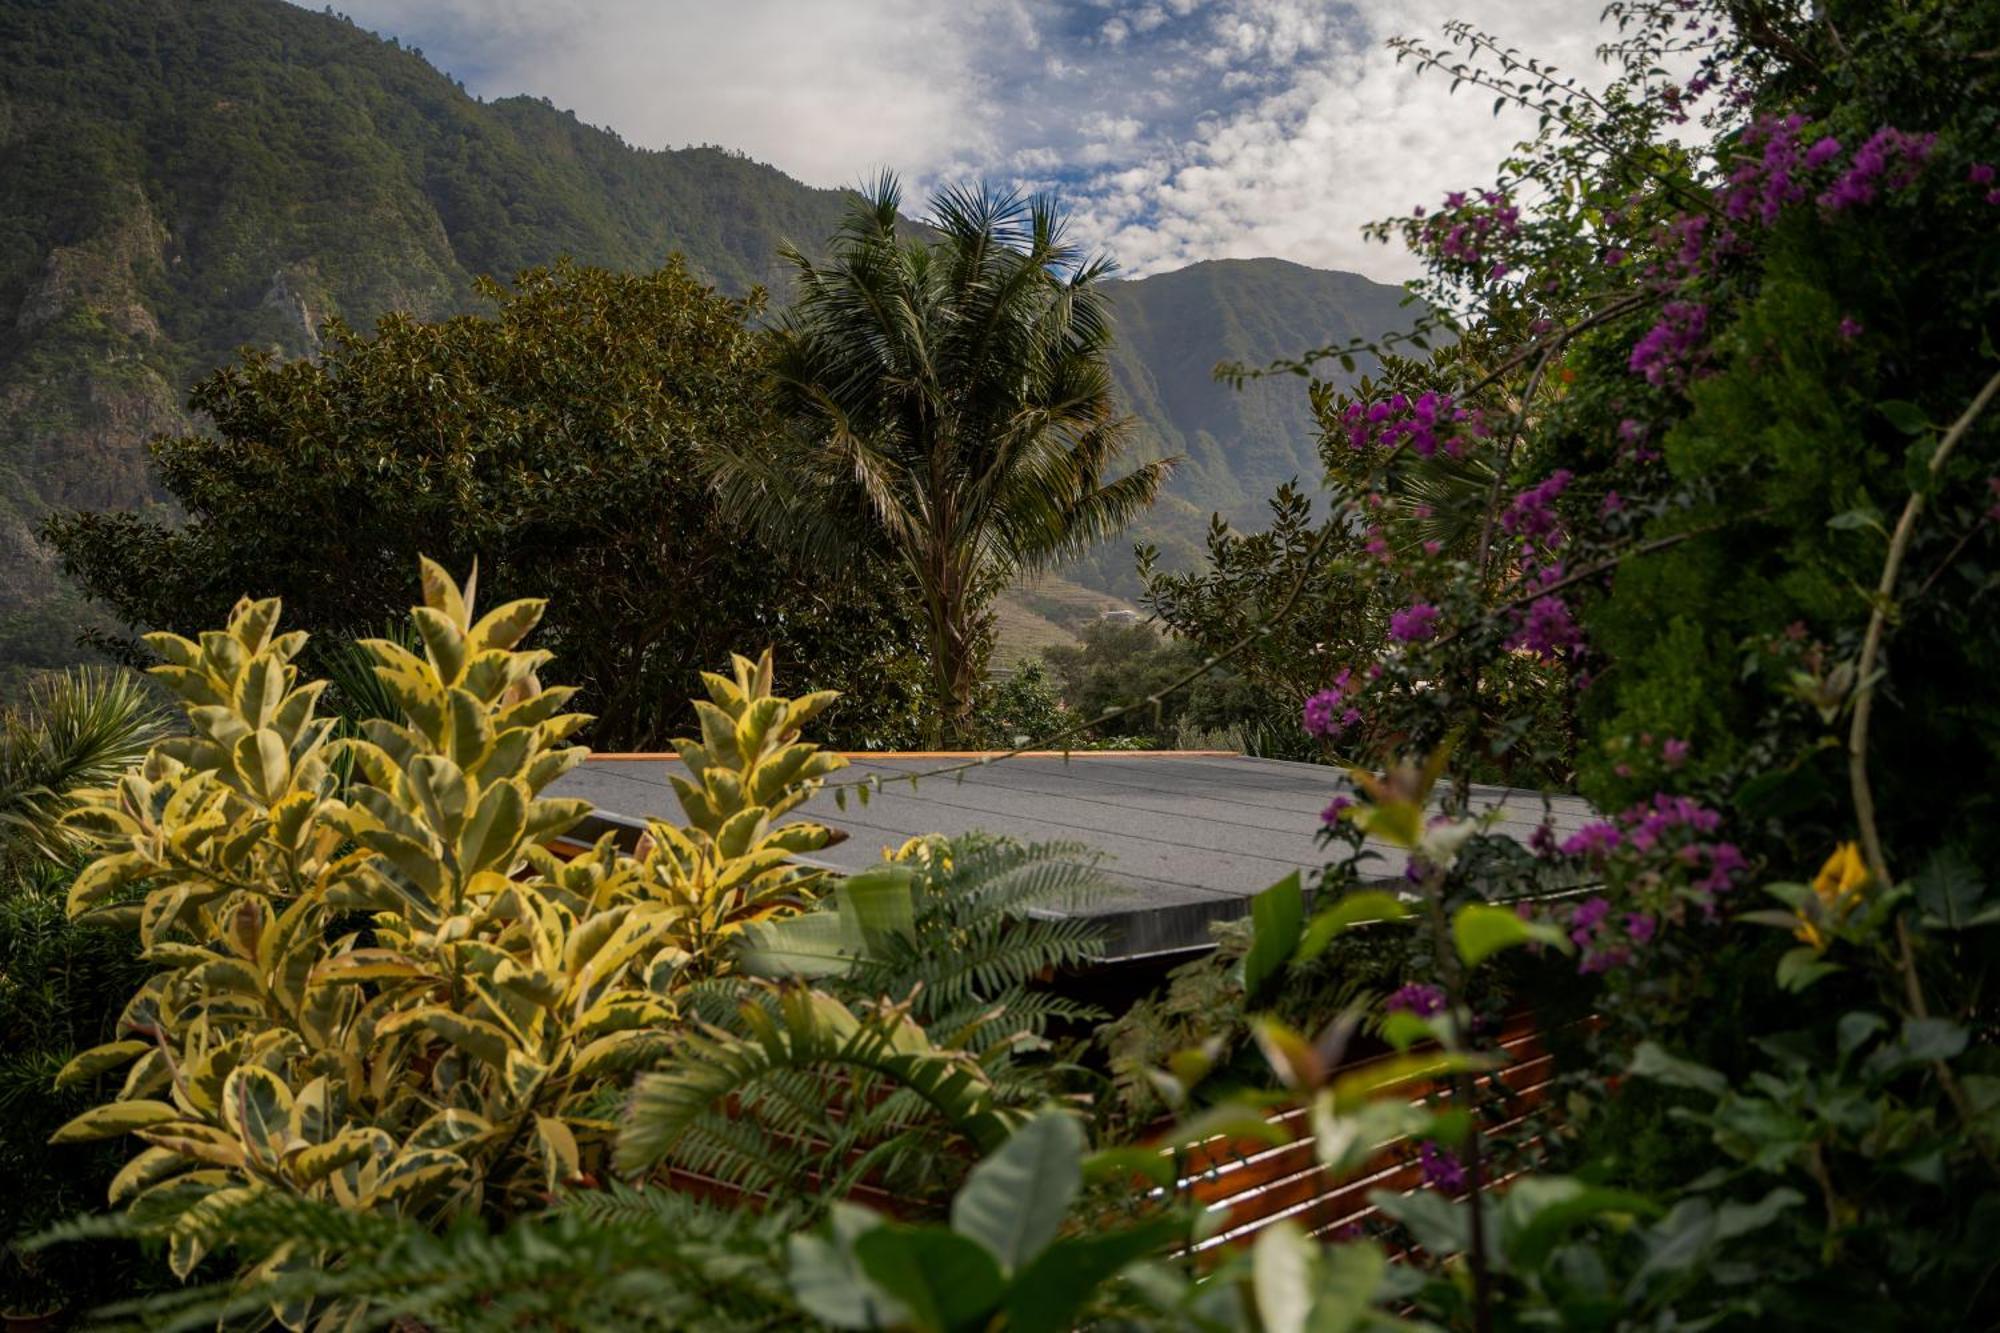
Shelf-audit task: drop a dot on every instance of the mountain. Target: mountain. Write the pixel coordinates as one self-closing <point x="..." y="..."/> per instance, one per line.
<point x="1237" y="445"/>
<point x="179" y="178"/>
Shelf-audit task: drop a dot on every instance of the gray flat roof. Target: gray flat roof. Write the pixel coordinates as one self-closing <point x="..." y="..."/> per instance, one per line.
<point x="1188" y="838"/>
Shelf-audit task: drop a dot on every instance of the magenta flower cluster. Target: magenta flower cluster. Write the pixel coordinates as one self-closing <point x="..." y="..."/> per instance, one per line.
<point x="1427" y="423"/>
<point x="1414" y="624"/>
<point x="1981" y="173"/>
<point x="1416" y="997"/>
<point x="1673" y="349"/>
<point x="1547" y="629"/>
<point x="1441" y="1170"/>
<point x="1890" y="160"/>
<point x="1600" y="942"/>
<point x="1329" y="712"/>
<point x="1470" y="231"/>
<point x="1667" y="840"/>
<point x="1766" y="180"/>
<point x="1531" y="515"/>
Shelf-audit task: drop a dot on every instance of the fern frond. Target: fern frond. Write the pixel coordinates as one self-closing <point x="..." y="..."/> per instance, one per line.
<point x="809" y="1029"/>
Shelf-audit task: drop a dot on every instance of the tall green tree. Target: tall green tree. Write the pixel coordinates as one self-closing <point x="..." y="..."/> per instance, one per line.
<point x="949" y="398"/>
<point x="562" y="442"/>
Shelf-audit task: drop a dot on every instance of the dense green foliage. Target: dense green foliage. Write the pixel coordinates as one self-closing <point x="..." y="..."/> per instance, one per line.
<point x="1127" y="673"/>
<point x="61" y="983"/>
<point x="950" y="403"/>
<point x="562" y="443"/>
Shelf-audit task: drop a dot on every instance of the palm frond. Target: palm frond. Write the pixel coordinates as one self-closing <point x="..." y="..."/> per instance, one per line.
<point x="76" y="729"/>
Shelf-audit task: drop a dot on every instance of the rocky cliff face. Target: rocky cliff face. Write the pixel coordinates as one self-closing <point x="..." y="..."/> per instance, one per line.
<point x="86" y="387"/>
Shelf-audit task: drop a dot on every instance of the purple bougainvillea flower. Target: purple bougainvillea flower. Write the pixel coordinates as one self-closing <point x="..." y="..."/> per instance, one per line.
<point x="1598" y="839"/>
<point x="1417" y="997"/>
<point x="1414" y="624"/>
<point x="1441" y="1170"/>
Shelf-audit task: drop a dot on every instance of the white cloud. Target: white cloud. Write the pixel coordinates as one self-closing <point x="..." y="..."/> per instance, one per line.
<point x="1177" y="130"/>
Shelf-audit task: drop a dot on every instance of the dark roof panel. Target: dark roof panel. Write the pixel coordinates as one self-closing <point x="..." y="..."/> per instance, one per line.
<point x="1188" y="838"/>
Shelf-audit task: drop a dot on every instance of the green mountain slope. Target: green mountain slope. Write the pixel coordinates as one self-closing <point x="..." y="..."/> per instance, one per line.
<point x="182" y="177"/>
<point x="1237" y="445"/>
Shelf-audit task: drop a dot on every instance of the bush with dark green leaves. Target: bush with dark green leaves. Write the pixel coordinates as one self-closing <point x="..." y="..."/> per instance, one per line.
<point x="561" y="443"/>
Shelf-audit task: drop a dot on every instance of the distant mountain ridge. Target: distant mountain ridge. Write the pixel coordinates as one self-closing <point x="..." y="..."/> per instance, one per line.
<point x="179" y="178"/>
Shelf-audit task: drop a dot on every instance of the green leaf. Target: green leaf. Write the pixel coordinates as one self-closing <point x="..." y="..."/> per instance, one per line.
<point x="827" y="1281"/>
<point x="945" y="1279"/>
<point x="1481" y="929"/>
<point x="1440" y="1225"/>
<point x="878" y="905"/>
<point x="1050" y="1291"/>
<point x="1350" y="1277"/>
<point x="1801" y="967"/>
<point x="1905" y="416"/>
<point x="1929" y="1039"/>
<point x="1403" y="1029"/>
<point x="1539" y="1211"/>
<point x="1356" y="908"/>
<point x="1284" y="1271"/>
<point x="1277" y="916"/>
<point x="1950" y="890"/>
<point x="1013" y="1202"/>
<point x="1679" y="1240"/>
<point x="1866" y="516"/>
<point x="1651" y="1061"/>
<point x="1857" y="1027"/>
<point x="1738" y="1219"/>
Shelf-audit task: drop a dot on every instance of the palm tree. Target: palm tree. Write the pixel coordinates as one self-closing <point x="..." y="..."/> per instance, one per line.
<point x="951" y="405"/>
<point x="81" y="728"/>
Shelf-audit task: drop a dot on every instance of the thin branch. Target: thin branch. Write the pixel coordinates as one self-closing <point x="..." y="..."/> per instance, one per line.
<point x="1857" y="749"/>
<point x="1871" y="647"/>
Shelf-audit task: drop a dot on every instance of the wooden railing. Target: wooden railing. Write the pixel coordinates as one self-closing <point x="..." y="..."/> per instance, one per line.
<point x="1252" y="1184"/>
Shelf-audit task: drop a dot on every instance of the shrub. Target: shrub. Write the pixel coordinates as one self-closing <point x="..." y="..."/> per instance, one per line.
<point x="390" y="995"/>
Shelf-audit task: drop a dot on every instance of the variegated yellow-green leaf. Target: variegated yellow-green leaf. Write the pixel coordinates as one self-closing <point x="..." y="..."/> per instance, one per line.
<point x="475" y="1036"/>
<point x="99" y="1060"/>
<point x="150" y="1167"/>
<point x="360" y="965"/>
<point x="105" y="1122"/>
<point x="563" y="1161"/>
<point x="311" y="1165"/>
<point x="495" y="829"/>
<point x="257" y="1105"/>
<point x="416" y="1173"/>
<point x="105" y="876"/>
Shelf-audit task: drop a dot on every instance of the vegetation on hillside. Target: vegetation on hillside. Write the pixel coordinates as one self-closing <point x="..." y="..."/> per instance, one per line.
<point x="563" y="444"/>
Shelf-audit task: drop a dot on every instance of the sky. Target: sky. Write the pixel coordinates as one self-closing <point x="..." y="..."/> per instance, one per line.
<point x="1173" y="130"/>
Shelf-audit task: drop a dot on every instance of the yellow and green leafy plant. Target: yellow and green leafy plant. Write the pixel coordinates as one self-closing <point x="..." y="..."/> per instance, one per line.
<point x="731" y="865"/>
<point x="387" y="991"/>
